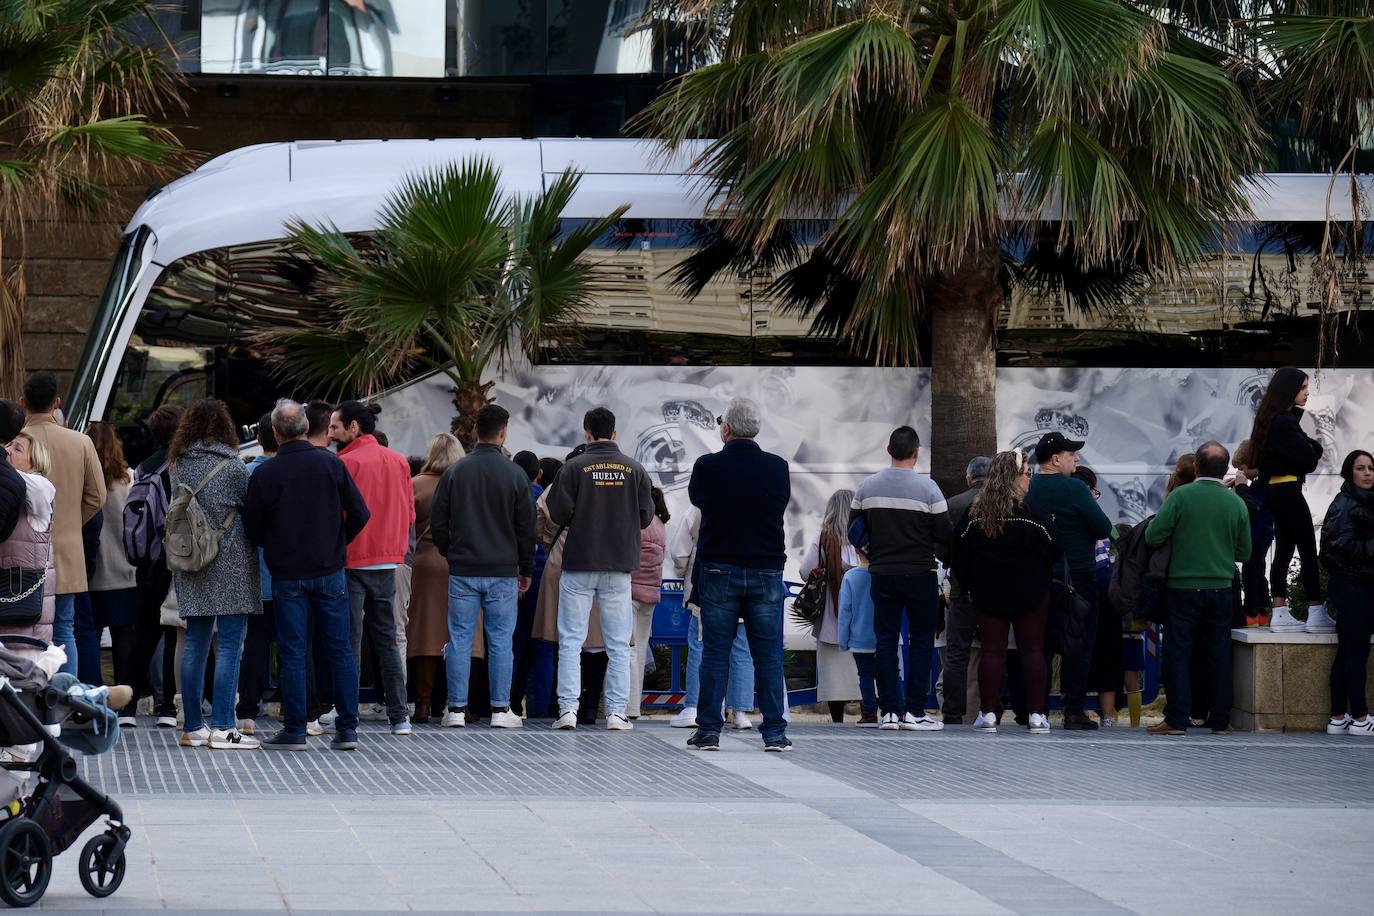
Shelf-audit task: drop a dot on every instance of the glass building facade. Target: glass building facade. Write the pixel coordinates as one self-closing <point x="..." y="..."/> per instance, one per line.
<point x="427" y="39"/>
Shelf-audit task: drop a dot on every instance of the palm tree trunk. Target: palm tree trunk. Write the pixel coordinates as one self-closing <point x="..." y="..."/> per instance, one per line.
<point x="963" y="386"/>
<point x="469" y="398"/>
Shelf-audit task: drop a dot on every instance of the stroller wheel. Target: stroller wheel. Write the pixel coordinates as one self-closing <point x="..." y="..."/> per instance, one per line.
<point x="101" y="876"/>
<point x="25" y="862"/>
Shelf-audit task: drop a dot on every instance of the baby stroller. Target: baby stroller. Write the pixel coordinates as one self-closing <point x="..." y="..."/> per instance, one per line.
<point x="39" y="721"/>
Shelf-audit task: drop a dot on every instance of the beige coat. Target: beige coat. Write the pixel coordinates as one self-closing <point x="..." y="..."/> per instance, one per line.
<point x="80" y="486"/>
<point x="427" y="628"/>
<point x="546" y="610"/>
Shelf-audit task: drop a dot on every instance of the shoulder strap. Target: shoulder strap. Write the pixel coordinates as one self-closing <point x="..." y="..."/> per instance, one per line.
<point x="195" y="491"/>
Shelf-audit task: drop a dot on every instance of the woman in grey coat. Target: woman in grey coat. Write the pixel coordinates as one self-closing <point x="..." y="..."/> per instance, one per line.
<point x="223" y="594"/>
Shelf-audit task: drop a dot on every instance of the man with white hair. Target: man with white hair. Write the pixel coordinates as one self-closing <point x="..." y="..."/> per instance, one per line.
<point x="302" y="509"/>
<point x="742" y="492"/>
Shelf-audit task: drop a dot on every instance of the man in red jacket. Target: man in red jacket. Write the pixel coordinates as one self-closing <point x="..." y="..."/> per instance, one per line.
<point x="383" y="477"/>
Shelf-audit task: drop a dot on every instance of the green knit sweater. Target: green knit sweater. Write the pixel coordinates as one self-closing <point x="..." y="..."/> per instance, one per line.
<point x="1210" y="530"/>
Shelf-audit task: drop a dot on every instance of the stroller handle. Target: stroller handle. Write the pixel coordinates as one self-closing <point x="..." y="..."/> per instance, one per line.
<point x="33" y="641"/>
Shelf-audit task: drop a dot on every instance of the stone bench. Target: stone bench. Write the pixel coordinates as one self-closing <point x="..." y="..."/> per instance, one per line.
<point x="1281" y="681"/>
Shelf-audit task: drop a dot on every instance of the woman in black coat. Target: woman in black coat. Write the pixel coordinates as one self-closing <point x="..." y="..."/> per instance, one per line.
<point x="1286" y="456"/>
<point x="1004" y="556"/>
<point x="1348" y="555"/>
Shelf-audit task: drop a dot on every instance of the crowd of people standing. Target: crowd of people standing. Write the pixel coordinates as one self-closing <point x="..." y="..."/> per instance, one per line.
<point x="476" y="584"/>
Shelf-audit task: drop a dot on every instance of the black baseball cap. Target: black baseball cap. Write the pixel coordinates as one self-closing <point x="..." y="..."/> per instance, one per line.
<point x="1052" y="444"/>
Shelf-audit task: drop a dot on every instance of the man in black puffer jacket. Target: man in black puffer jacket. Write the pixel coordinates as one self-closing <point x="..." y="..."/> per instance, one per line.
<point x="11" y="484"/>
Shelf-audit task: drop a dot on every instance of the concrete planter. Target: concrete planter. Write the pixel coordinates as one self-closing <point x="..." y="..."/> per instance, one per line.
<point x="1281" y="681"/>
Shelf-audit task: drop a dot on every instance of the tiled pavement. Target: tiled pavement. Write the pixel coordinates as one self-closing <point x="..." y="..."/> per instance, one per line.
<point x="851" y="822"/>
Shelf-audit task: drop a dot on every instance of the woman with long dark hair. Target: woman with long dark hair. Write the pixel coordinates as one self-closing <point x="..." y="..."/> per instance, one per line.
<point x="114" y="584"/>
<point x="1005" y="557"/>
<point x="1348" y="555"/>
<point x="1286" y="456"/>
<point x="837" y="678"/>
<point x="204" y="454"/>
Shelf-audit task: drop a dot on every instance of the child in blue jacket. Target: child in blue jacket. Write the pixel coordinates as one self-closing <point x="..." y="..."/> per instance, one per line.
<point x="856" y="635"/>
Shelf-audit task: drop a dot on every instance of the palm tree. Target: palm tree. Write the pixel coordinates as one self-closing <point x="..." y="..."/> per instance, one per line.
<point x="956" y="147"/>
<point x="1317" y="69"/>
<point x="456" y="276"/>
<point x="78" y="81"/>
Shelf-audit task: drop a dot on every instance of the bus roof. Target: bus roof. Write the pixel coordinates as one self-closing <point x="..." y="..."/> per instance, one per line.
<point x="249" y="194"/>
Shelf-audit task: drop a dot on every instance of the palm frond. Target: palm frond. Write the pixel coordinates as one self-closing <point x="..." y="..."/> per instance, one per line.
<point x="553" y="281"/>
<point x="128" y="137"/>
<point x="1324" y="64"/>
<point x="940" y="186"/>
<point x="333" y="363"/>
<point x="1073" y="54"/>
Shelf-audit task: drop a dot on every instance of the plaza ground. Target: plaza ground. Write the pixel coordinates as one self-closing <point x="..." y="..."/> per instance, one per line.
<point x="854" y="821"/>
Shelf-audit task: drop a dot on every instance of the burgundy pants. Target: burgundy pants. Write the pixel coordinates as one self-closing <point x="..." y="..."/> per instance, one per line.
<point x="1030" y="642"/>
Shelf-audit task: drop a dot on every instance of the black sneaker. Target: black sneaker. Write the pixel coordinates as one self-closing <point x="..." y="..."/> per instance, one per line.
<point x="777" y="745"/>
<point x="704" y="742"/>
<point x="344" y="741"/>
<point x="953" y="720"/>
<point x="284" y="741"/>
<point x="1080" y="723"/>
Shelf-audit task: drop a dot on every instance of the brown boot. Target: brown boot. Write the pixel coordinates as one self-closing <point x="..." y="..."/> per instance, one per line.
<point x="424" y="688"/>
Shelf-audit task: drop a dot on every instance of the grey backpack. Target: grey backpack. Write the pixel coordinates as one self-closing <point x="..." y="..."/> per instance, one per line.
<point x="190" y="544"/>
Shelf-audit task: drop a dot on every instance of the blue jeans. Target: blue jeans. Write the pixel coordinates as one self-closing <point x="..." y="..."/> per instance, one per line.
<point x="86" y="635"/>
<point x="63" y="633"/>
<point x="611" y="592"/>
<point x="1197" y="617"/>
<point x="495" y="597"/>
<point x="318" y="605"/>
<point x="727" y="594"/>
<point x="232" y="629"/>
<point x="740" y="687"/>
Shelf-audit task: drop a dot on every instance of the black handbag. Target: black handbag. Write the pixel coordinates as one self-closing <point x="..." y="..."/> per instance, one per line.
<point x="1069" y="613"/>
<point x="21" y="595"/>
<point x="809" y="605"/>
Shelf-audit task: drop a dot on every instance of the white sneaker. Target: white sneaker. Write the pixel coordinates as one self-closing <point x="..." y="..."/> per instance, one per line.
<point x="231" y="739"/>
<point x="739" y="721"/>
<point x="198" y="738"/>
<point x="1038" y="725"/>
<point x="166" y="721"/>
<point x="924" y="724"/>
<point x="615" y="722"/>
<point x="685" y="719"/>
<point x="1319" y="621"/>
<point x="890" y="722"/>
<point x="376" y="712"/>
<point x="567" y="720"/>
<point x="455" y="719"/>
<point x="248" y="726"/>
<point x="986" y="723"/>
<point x="128" y="722"/>
<point x="506" y="719"/>
<point x="1363" y="729"/>
<point x="328" y="718"/>
<point x="313" y="728"/>
<point x="1106" y="721"/>
<point x="1338" y="725"/>
<point x="1283" y="621"/>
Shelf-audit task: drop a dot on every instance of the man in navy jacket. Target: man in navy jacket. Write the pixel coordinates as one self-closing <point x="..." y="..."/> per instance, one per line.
<point x="302" y="509"/>
<point x="742" y="492"/>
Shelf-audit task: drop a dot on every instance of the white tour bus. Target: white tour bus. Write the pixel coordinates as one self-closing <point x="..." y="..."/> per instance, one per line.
<point x="202" y="266"/>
